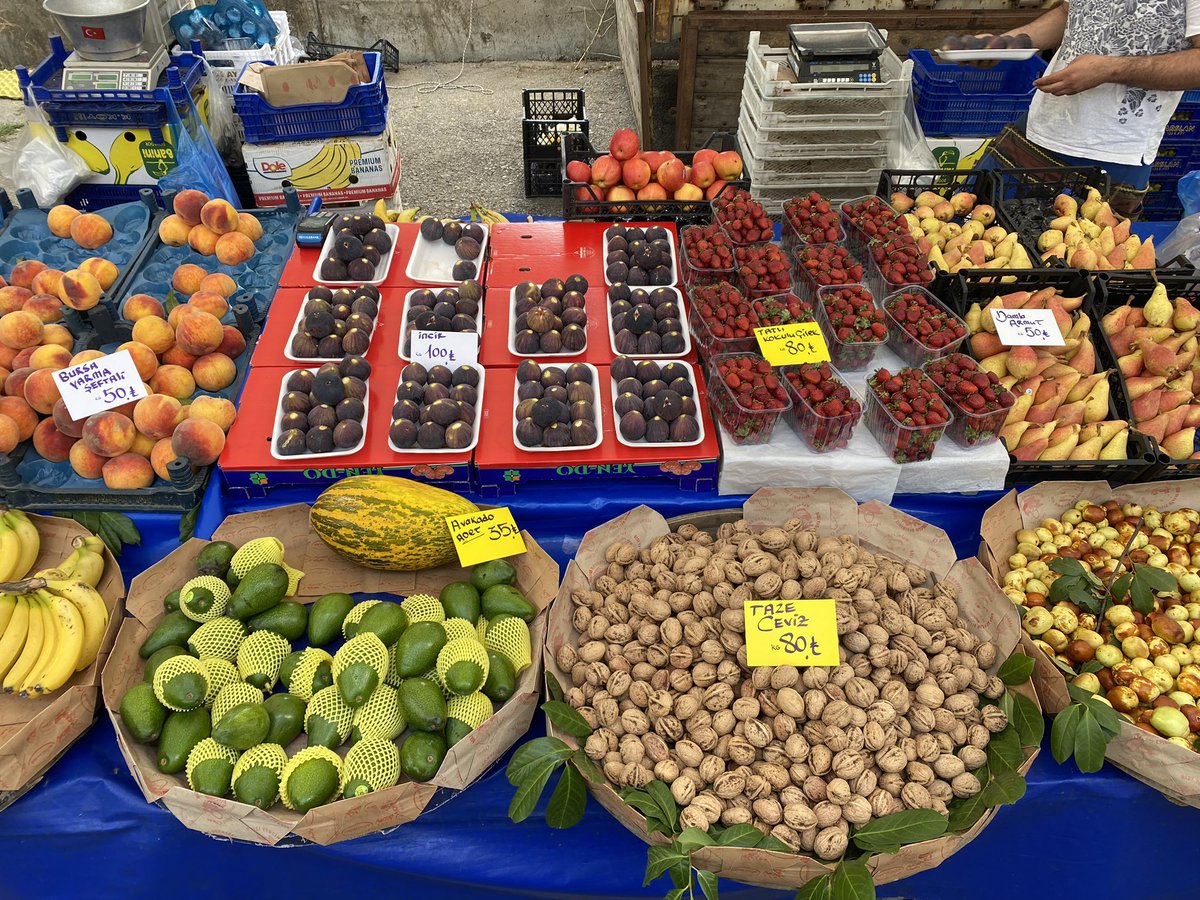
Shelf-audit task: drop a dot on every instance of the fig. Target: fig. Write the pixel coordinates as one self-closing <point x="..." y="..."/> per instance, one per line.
<point x="529" y="370"/>
<point x="577" y="283"/>
<point x="527" y="342"/>
<point x="577" y="317"/>
<point x="556" y="392"/>
<point x="296" y="401"/>
<point x="577" y="391"/>
<point x="464" y="393"/>
<point x="657" y="431"/>
<point x="322" y="415"/>
<point x="625" y="342"/>
<point x="528" y="390"/>
<point x="582" y="410"/>
<point x="628" y="403"/>
<point x="672" y="342"/>
<point x="293" y="420"/>
<point x="320" y="292"/>
<point x="354" y="387"/>
<point x="356" y="341"/>
<point x="405" y="409"/>
<point x="619" y="291"/>
<point x="574" y="338"/>
<point x="351" y="408"/>
<point x="548" y="411"/>
<point x="443" y="412"/>
<point x="304" y="347"/>
<point x="441" y="375"/>
<point x="650" y="388"/>
<point x="431" y="436"/>
<point x="463" y="323"/>
<point x="630" y="385"/>
<point x="623" y="367"/>
<point x="529" y="433"/>
<point x="557" y="435"/>
<point x="318" y="306"/>
<point x="291" y="443"/>
<point x="365" y="306"/>
<point x="347" y="434"/>
<point x="583" y="433"/>
<point x="459" y="435"/>
<point x="466" y="307"/>
<point x="649" y="343"/>
<point x="451" y="233"/>
<point x="552" y="341"/>
<point x="300" y="381"/>
<point x="553" y="375"/>
<point x="633" y="426"/>
<point x="540" y="319"/>
<point x="464" y="268"/>
<point x="525" y="408"/>
<point x="329" y="347"/>
<point x="319" y="440"/>
<point x="355" y="366"/>
<point x="616" y="271"/>
<point x="435" y="392"/>
<point x="470" y="289"/>
<point x="577" y="372"/>
<point x="573" y="300"/>
<point x="682" y="386"/>
<point x="553" y="287"/>
<point x="410" y="390"/>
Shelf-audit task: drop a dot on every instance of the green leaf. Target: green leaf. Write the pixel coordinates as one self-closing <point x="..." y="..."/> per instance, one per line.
<point x="1120" y="586"/>
<point x="675" y="893"/>
<point x="887" y="834"/>
<point x="1028" y="721"/>
<point x="566" y="719"/>
<point x="1141" y="597"/>
<point x="587" y="768"/>
<point x="661" y="795"/>
<point x="568" y="801"/>
<point x="110" y="537"/>
<point x="1067" y="566"/>
<point x="966" y="812"/>
<point x="1085" y="599"/>
<point x="1078" y="694"/>
<point x="1089" y="743"/>
<point x="852" y="881"/>
<point x="693" y="838"/>
<point x="1062" y="732"/>
<point x="529" y="790"/>
<point x="1005" y="786"/>
<point x="553" y="687"/>
<point x="659" y="859"/>
<point x="1016" y="669"/>
<point x="642" y="802"/>
<point x="1090" y="666"/>
<point x="171" y="300"/>
<point x="681" y="873"/>
<point x="708" y="883"/>
<point x="743" y="835"/>
<point x="187" y="524"/>
<point x="770" y="842"/>
<point x="820" y="888"/>
<point x="529" y="756"/>
<point x="1154" y="578"/>
<point x="1106" y="716"/>
<point x="1005" y="702"/>
<point x="124" y="527"/>
<point x="1060" y="590"/>
<point x="1004" y="750"/>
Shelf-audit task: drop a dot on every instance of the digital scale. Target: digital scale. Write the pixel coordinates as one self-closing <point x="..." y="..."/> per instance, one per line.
<point x="120" y="45"/>
<point x="836" y="53"/>
<point x="140" y="73"/>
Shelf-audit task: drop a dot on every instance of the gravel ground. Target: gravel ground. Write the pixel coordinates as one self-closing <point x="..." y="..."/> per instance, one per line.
<point x="463" y="145"/>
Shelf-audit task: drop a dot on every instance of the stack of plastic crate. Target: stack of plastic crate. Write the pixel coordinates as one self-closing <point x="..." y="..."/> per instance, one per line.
<point x="1178" y="154"/>
<point x="832" y="138"/>
<point x="226" y="65"/>
<point x="549" y="114"/>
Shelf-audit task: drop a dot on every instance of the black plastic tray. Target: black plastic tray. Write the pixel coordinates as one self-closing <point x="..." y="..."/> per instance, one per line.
<point x="1026" y="196"/>
<point x="1143" y="452"/>
<point x="315" y="48"/>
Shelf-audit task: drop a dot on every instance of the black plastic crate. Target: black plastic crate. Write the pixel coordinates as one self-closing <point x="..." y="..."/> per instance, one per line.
<point x="1143" y="452"/>
<point x="542" y="178"/>
<point x="554" y="103"/>
<point x="1026" y="196"/>
<point x="1115" y="289"/>
<point x="542" y="139"/>
<point x="682" y="212"/>
<point x="315" y="48"/>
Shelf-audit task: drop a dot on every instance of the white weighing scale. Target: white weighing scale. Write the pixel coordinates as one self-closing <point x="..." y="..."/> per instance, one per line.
<point x="120" y="45"/>
<point x="140" y="73"/>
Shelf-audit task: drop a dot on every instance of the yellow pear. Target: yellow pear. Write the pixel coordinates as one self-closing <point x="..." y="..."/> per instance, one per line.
<point x="1158" y="309"/>
<point x="1088" y="449"/>
<point x="1132" y="246"/>
<point x="997" y="364"/>
<point x="1095" y="404"/>
<point x="1117" y="447"/>
<point x="1062" y="223"/>
<point x="1020" y="258"/>
<point x="1107" y="242"/>
<point x="974" y="318"/>
<point x="1062" y="450"/>
<point x="935" y="257"/>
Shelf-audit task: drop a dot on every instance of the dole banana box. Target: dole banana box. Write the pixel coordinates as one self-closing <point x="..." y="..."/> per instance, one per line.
<point x="341" y="169"/>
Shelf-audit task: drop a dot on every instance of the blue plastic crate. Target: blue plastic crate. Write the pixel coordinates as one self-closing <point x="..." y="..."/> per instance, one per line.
<point x="92" y="197"/>
<point x="364" y="111"/>
<point x="1175" y="159"/>
<point x="1162" y="200"/>
<point x="962" y="101"/>
<point x="1184" y="127"/>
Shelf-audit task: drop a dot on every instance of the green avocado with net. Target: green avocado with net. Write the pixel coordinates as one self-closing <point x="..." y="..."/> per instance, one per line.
<point x="326" y="616"/>
<point x="180" y="733"/>
<point x="142" y="714"/>
<point x="173" y="629"/>
<point x="488" y="574"/>
<point x="421" y="755"/>
<point x="215" y="558"/>
<point x="506" y="600"/>
<point x="460" y="600"/>
<point x="418" y="648"/>
<point x="288" y="620"/>
<point x="286" y="712"/>
<point x="158" y="657"/>
<point x="311" y="784"/>
<point x="356" y="683"/>
<point x="387" y="621"/>
<point x="258" y="786"/>
<point x="262" y="588"/>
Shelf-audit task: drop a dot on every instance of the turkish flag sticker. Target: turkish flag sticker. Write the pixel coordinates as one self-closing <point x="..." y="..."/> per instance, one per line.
<point x="93" y="33"/>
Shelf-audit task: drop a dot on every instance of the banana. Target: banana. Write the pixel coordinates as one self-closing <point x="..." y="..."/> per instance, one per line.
<point x="35" y="638"/>
<point x="410" y="215"/>
<point x="91" y="608"/>
<point x="8" y="605"/>
<point x="51" y="639"/>
<point x="92" y="155"/>
<point x="329" y="169"/>
<point x="85" y="564"/>
<point x="28" y="536"/>
<point x="12" y="642"/>
<point x="69" y="637"/>
<point x="487" y="216"/>
<point x="10" y="551"/>
<point x="381" y="209"/>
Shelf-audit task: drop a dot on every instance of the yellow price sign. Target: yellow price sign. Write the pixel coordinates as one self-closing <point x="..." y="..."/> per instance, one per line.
<point x="791" y="633"/>
<point x="792" y="344"/>
<point x="485" y="535"/>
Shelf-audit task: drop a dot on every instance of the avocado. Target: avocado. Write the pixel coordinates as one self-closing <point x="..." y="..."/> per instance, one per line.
<point x="312" y="783"/>
<point x="287" y="718"/>
<point x="214" y="559"/>
<point x="158" y="657"/>
<point x="243" y="727"/>
<point x="325" y="618"/>
<point x="173" y="629"/>
<point x="418" y="648"/>
<point x="503" y="599"/>
<point x="356" y="788"/>
<point x="501" y="679"/>
<point x="180" y="733"/>
<point x="456" y="731"/>
<point x="171" y="601"/>
<point x="212" y="776"/>
<point x="385" y="620"/>
<point x="262" y="588"/>
<point x="200" y="602"/>
<point x="421" y="755"/>
<point x="142" y="714"/>
<point x="423" y="705"/>
<point x="356" y="683"/>
<point x="258" y="786"/>
<point x="288" y="620"/>
<point x="461" y="601"/>
<point x="288" y="666"/>
<point x="184" y="690"/>
<point x="498" y="571"/>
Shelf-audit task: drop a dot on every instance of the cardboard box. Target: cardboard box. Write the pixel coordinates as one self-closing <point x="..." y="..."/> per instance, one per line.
<point x="878" y="528"/>
<point x="130" y="156"/>
<point x="300" y="84"/>
<point x="325" y="571"/>
<point x="1170" y="769"/>
<point x="958" y="153"/>
<point x="35" y="733"/>
<point x="340" y="170"/>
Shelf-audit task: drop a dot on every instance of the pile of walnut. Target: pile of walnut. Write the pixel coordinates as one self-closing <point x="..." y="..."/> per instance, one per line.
<point x="660" y="674"/>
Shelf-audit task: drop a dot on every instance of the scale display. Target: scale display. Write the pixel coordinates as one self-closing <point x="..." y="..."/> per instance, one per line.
<point x="843" y="71"/>
<point x="138" y="74"/>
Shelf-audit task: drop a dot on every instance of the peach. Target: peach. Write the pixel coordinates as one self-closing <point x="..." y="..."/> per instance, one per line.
<point x="728" y="165"/>
<point x="233" y="344"/>
<point x="635" y="173"/>
<point x="672" y="175"/>
<point x="186" y="279"/>
<point x="109" y="433"/>
<point x="104" y="270"/>
<point x="173" y="231"/>
<point x="86" y="463"/>
<point x="10" y="434"/>
<point x="175" y="316"/>
<point x="174" y="381"/>
<point x="652" y="191"/>
<point x="200" y="440"/>
<point x="63" y="421"/>
<point x="207" y="301"/>
<point x="45" y="307"/>
<point x="162" y="454"/>
<point x="579" y="172"/>
<point x="214" y="372"/>
<point x="21" y="360"/>
<point x="25" y="271"/>
<point x="234" y="248"/>
<point x="199" y="333"/>
<point x="178" y="357"/>
<point x="249" y="225"/>
<point x="14" y="384"/>
<point x="689" y="192"/>
<point x="85" y="356"/>
<point x="706" y="155"/>
<point x="157" y="415"/>
<point x="20" y="412"/>
<point x="155" y="333"/>
<point x="714" y="190"/>
<point x="55" y="333"/>
<point x="144" y="359"/>
<point x="703" y="173"/>
<point x="215" y="409"/>
<point x="59" y="220"/>
<point x="606" y="172"/>
<point x="20" y="330"/>
<point x="50" y="356"/>
<point x="41" y="391"/>
<point x="620" y="193"/>
<point x="80" y="290"/>
<point x="128" y="472"/>
<point x="7" y="355"/>
<point x="141" y="305"/>
<point x="143" y="445"/>
<point x="219" y="215"/>
<point x="187" y="205"/>
<point x="203" y="240"/>
<point x="46" y="282"/>
<point x="219" y="283"/>
<point x="624" y="144"/>
<point x="91" y="231"/>
<point x="13" y="298"/>
<point x="50" y="443"/>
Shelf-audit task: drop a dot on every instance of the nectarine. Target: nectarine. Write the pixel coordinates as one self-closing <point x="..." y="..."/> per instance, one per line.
<point x="59" y="220"/>
<point x="187" y="205"/>
<point x="91" y="231"/>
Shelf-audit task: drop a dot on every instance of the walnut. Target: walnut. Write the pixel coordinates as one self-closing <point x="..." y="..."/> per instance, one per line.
<point x="666" y="771"/>
<point x="769" y="810"/>
<point x="709" y="805"/>
<point x="930" y="695"/>
<point x="668" y="728"/>
<point x="965" y="785"/>
<point x="814" y="703"/>
<point x="741" y="751"/>
<point x="882" y="804"/>
<point x="711" y="769"/>
<point x="745" y="708"/>
<point x="837" y="790"/>
<point x="635" y="775"/>
<point x="828" y="813"/>
<point x="758" y="733"/>
<point x="994" y="688"/>
<point x="914" y="796"/>
<point x="849" y="764"/>
<point x="860" y="692"/>
<point x="940" y="791"/>
<point x="994" y="719"/>
<point x="693" y="817"/>
<point x="928" y="748"/>
<point x="723" y="722"/>
<point x="985" y="654"/>
<point x="618" y="684"/>
<point x="791" y="702"/>
<point x="978" y="736"/>
<point x="943" y="720"/>
<point x="919" y="773"/>
<point x="799" y="816"/>
<point x="921" y="719"/>
<point x="689" y="753"/>
<point x="857" y="810"/>
<point x="830" y="844"/>
<point x="718" y="696"/>
<point x="632" y="750"/>
<point x="891" y="759"/>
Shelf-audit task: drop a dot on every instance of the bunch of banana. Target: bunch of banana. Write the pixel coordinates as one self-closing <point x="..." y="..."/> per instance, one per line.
<point x="20" y="544"/>
<point x="51" y="625"/>
<point x="486" y="216"/>
<point x="332" y="168"/>
<point x="395" y="215"/>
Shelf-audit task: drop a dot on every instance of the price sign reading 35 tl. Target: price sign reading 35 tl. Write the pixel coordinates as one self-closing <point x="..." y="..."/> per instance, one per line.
<point x="1027" y="328"/>
<point x="791" y="633"/>
<point x="792" y="344"/>
<point x="445" y="348"/>
<point x="101" y="384"/>
<point x="485" y="535"/>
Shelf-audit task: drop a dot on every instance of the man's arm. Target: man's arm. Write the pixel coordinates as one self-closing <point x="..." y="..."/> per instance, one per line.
<point x="1046" y="31"/>
<point x="1165" y="72"/>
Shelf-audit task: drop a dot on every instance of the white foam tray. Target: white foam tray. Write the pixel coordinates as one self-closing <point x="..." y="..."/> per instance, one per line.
<point x="478" y="419"/>
<point x="278" y="430"/>
<point x="596" y="405"/>
<point x="431" y="262"/>
<point x="381" y="270"/>
<point x="695" y="399"/>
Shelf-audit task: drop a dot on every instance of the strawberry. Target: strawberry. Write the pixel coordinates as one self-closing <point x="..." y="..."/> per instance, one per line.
<point x="743" y="218"/>
<point x="818" y="265"/>
<point x="979" y="401"/>
<point x="873" y="218"/>
<point x="723" y="320"/>
<point x="810" y="220"/>
<point x="752" y="399"/>
<point x="853" y="324"/>
<point x="707" y="254"/>
<point x="824" y="412"/>
<point x="763" y="270"/>
<point x="781" y="309"/>
<point x="907" y="415"/>
<point x="921" y="328"/>
<point x="900" y="261"/>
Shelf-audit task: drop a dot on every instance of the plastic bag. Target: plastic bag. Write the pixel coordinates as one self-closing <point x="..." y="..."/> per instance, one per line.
<point x="1184" y="240"/>
<point x="220" y="119"/>
<point x="197" y="163"/>
<point x="39" y="162"/>
<point x="1189" y="193"/>
<point x="908" y="148"/>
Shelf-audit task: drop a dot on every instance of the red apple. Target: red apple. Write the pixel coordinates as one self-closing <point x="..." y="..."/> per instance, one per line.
<point x="624" y="144"/>
<point x="589" y="195"/>
<point x="706" y="155"/>
<point x="622" y="194"/>
<point x="672" y="175"/>
<point x="652" y="191"/>
<point x="606" y="172"/>
<point x="654" y="159"/>
<point x="689" y="192"/>
<point x="635" y="173"/>
<point x="728" y="165"/>
<point x="714" y="190"/>
<point x="579" y="171"/>
<point x="703" y="173"/>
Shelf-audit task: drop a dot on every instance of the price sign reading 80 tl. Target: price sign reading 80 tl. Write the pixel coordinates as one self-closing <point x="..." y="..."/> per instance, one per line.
<point x="791" y="633"/>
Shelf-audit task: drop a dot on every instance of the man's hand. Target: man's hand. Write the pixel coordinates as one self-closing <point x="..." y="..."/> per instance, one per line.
<point x="1083" y="73"/>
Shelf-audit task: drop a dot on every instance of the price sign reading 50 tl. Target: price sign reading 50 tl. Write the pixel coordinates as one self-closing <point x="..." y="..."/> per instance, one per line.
<point x="485" y="535"/>
<point x="791" y="344"/>
<point x="1027" y="328"/>
<point x="791" y="633"/>
<point x="101" y="384"/>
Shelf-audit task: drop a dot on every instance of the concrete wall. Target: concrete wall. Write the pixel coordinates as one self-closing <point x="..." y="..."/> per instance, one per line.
<point x="423" y="30"/>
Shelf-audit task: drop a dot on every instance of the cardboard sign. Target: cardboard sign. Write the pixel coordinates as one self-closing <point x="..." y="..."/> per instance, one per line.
<point x="445" y="348"/>
<point x="791" y="633"/>
<point x="1027" y="328"/>
<point x="101" y="384"/>
<point x="792" y="344"/>
<point x="488" y="534"/>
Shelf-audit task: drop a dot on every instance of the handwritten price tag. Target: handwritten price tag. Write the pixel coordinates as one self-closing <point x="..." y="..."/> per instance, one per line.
<point x="1027" y="328"/>
<point x="792" y="344"/>
<point x="791" y="633"/>
<point x="445" y="348"/>
<point x="485" y="535"/>
<point x="101" y="384"/>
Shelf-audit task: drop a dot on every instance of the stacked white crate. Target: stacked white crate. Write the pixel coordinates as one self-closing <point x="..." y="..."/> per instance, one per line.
<point x="227" y="65"/>
<point x="832" y="138"/>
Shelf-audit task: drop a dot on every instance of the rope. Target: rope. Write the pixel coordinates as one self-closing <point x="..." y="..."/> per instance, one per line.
<point x="429" y="87"/>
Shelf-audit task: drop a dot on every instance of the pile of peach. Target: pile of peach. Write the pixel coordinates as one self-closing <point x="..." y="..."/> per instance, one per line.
<point x="37" y="288"/>
<point x="89" y="230"/>
<point x="211" y="227"/>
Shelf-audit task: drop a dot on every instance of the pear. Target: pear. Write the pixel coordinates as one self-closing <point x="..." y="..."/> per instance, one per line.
<point x="1121" y="231"/>
<point x="1159" y="359"/>
<point x="1114" y="320"/>
<point x="985" y="344"/>
<point x="1183" y="382"/>
<point x="1181" y="444"/>
<point x="1070" y="304"/>
<point x="1105" y="217"/>
<point x="1137" y="318"/>
<point x="1145" y="407"/>
<point x="1083" y="258"/>
<point x="1192" y="417"/>
<point x="1187" y="317"/>
<point x="1062" y="223"/>
<point x="1020" y="258"/>
<point x="974" y="318"/>
<point x="1158" y="309"/>
<point x="1105" y="430"/>
<point x="1107" y="242"/>
<point x="1156" y="427"/>
<point x="1083" y="360"/>
<point x="996" y="364"/>
<point x="1036" y="433"/>
<point x="1041" y="298"/>
<point x="1132" y="245"/>
<point x="1017" y="411"/>
<point x="1008" y="381"/>
<point x="1084" y="386"/>
<point x="1090" y="229"/>
<point x="1116" y="257"/>
<point x="1090" y="209"/>
<point x="1088" y="449"/>
<point x="1116" y="448"/>
<point x="1016" y="300"/>
<point x="1062" y="449"/>
<point x="1012" y="434"/>
<point x="1030" y="452"/>
<point x="1122" y="341"/>
<point x="1066" y="205"/>
<point x="1144" y="258"/>
<point x="1131" y="364"/>
<point x="1173" y="400"/>
<point x="901" y="202"/>
<point x="1095" y="404"/>
<point x="1139" y="385"/>
<point x="1070" y="414"/>
<point x="1022" y="361"/>
<point x="935" y="257"/>
<point x="1149" y="334"/>
<point x="1049" y="239"/>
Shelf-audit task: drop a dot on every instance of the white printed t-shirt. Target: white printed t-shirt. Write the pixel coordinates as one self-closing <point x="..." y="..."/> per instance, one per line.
<point x="1113" y="122"/>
